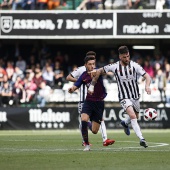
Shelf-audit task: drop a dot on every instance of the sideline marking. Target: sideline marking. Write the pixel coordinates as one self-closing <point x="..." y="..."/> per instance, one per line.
<point x="154" y="146"/>
<point x="132" y="149"/>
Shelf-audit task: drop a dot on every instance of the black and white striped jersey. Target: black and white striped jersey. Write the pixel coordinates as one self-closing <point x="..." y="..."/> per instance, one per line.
<point x="83" y="89"/>
<point x="127" y="78"/>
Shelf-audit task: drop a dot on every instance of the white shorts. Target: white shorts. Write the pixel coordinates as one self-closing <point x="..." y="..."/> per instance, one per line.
<point x="125" y="103"/>
<point x="80" y="106"/>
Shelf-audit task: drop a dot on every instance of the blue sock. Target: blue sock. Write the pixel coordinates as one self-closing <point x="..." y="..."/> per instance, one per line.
<point x="89" y="124"/>
<point x="85" y="131"/>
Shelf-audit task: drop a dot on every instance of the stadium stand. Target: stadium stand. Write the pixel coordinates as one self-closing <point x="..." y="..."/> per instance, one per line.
<point x="25" y="83"/>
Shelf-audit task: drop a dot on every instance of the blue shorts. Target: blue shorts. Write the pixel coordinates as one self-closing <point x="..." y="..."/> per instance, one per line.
<point x="94" y="109"/>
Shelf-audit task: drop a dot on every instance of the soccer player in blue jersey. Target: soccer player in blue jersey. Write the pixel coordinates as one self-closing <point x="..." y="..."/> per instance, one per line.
<point x="93" y="106"/>
<point x="73" y="77"/>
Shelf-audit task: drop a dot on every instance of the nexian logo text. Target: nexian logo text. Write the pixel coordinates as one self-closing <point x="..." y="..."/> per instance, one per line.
<point x="141" y="29"/>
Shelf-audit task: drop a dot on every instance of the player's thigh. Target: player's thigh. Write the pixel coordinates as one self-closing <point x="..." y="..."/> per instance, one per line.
<point x="127" y="105"/>
<point x="130" y="111"/>
<point x="95" y="127"/>
<point x="136" y="105"/>
<point x="86" y="111"/>
<point x="97" y="111"/>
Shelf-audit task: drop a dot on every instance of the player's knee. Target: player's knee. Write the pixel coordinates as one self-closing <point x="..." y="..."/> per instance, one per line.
<point x="84" y="119"/>
<point x="94" y="131"/>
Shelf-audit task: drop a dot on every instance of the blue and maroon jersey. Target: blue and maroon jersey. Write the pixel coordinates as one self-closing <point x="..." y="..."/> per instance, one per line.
<point x="99" y="89"/>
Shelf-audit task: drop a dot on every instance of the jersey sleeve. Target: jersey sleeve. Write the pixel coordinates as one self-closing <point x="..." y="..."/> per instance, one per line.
<point x="77" y="73"/>
<point x="109" y="68"/>
<point x="139" y="69"/>
<point x="79" y="82"/>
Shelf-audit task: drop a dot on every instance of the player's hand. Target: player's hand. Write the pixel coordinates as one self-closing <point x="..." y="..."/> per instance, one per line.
<point x="148" y="90"/>
<point x="71" y="90"/>
<point x="92" y="73"/>
<point x="91" y="89"/>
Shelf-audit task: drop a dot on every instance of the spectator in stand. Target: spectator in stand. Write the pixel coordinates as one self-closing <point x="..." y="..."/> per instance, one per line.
<point x="48" y="75"/>
<point x="167" y="67"/>
<point x="53" y="4"/>
<point x="10" y="69"/>
<point x="158" y="59"/>
<point x="42" y="4"/>
<point x="6" y="94"/>
<point x="5" y="4"/>
<point x="30" y="90"/>
<point x="9" y="80"/>
<point x="2" y="73"/>
<point x="167" y="70"/>
<point x="160" y="4"/>
<point x="18" y="72"/>
<point x="29" y="74"/>
<point x="38" y="77"/>
<point x="43" y="94"/>
<point x="21" y="63"/>
<point x="5" y="79"/>
<point x="18" y="91"/>
<point x="150" y="59"/>
<point x="58" y="75"/>
<point x="148" y="68"/>
<point x="82" y="5"/>
<point x="28" y="4"/>
<point x="134" y="4"/>
<point x="89" y="4"/>
<point x="161" y="82"/>
<point x="93" y="4"/>
<point x="16" y="4"/>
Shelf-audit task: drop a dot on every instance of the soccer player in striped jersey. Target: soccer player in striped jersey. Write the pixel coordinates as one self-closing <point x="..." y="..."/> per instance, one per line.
<point x="83" y="93"/>
<point x="126" y="73"/>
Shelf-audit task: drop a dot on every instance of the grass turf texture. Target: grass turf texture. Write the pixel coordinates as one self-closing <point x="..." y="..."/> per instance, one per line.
<point x="62" y="150"/>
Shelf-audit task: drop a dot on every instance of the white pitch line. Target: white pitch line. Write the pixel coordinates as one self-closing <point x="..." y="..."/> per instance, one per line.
<point x="61" y="150"/>
<point x="154" y="146"/>
<point x="98" y="149"/>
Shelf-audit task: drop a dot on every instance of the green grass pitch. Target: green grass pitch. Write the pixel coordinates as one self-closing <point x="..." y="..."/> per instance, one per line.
<point x="62" y="150"/>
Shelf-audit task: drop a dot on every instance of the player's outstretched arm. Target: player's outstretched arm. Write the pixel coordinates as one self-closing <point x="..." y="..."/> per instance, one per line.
<point x="70" y="78"/>
<point x="147" y="83"/>
<point x="72" y="89"/>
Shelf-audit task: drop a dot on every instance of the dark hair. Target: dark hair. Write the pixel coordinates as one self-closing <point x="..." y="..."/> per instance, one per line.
<point x="91" y="55"/>
<point x="123" y="50"/>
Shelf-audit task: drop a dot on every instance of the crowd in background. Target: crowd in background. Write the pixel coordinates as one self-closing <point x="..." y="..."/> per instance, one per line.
<point x="33" y="73"/>
<point x="83" y="4"/>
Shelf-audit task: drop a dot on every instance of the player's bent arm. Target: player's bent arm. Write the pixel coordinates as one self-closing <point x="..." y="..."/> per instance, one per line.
<point x="72" y="89"/>
<point x="147" y="83"/>
<point x="98" y="72"/>
<point x="71" y="78"/>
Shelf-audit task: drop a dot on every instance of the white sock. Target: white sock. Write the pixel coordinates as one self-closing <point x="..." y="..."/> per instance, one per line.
<point x="127" y="120"/>
<point x="136" y="128"/>
<point x="103" y="130"/>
